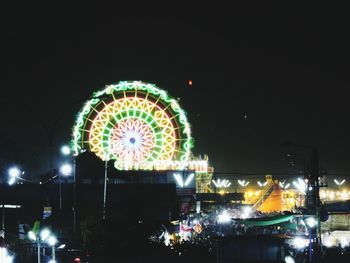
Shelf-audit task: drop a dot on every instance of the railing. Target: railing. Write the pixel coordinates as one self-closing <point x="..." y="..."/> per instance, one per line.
<point x="264" y="193"/>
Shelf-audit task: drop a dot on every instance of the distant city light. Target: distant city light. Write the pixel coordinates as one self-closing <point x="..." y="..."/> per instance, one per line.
<point x="65" y="150"/>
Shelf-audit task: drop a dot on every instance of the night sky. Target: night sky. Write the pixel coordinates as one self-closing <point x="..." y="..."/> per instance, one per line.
<point x="262" y="74"/>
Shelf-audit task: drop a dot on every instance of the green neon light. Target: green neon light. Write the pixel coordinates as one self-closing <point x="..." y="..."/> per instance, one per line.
<point x="86" y="117"/>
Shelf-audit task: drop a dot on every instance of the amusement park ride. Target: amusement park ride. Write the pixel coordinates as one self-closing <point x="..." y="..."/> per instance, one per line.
<point x="139" y="127"/>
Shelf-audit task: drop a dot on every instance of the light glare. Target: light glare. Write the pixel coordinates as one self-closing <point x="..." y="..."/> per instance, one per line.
<point x="12" y="181"/>
<point x="31" y="235"/>
<point x="65" y="150"/>
<point x="44" y="234"/>
<point x="289" y="259"/>
<point x="66" y="169"/>
<point x="14" y="172"/>
<point x="311" y="222"/>
<point x="224" y="217"/>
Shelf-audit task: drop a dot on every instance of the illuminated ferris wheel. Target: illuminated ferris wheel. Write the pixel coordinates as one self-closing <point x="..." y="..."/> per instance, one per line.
<point x="134" y="123"/>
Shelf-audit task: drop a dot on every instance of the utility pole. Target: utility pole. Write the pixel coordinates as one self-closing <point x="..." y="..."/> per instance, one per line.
<point x="74" y="196"/>
<point x="313" y="196"/>
<point x="3" y="220"/>
<point x="105" y="189"/>
<point x="313" y="202"/>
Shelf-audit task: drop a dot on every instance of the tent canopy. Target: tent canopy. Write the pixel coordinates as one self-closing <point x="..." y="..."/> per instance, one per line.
<point x="266" y="221"/>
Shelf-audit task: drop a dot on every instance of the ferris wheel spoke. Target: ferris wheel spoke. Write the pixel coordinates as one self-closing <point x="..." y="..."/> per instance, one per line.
<point x="133" y="121"/>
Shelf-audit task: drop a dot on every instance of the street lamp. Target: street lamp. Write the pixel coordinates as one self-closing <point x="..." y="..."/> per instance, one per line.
<point x="71" y="169"/>
<point x="65" y="150"/>
<point x="14" y="173"/>
<point x="66" y="170"/>
<point x="52" y="241"/>
<point x="46" y="236"/>
<point x="311" y="222"/>
<point x="5" y="257"/>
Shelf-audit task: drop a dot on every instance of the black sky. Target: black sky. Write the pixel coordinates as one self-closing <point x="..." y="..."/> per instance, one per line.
<point x="283" y="66"/>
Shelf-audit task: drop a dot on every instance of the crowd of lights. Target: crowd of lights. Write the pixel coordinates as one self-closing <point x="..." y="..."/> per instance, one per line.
<point x="134" y="123"/>
<point x="328" y="195"/>
<point x="200" y="166"/>
<point x="336" y="238"/>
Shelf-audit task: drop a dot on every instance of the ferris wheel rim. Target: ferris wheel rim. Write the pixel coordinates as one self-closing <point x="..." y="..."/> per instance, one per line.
<point x="183" y="133"/>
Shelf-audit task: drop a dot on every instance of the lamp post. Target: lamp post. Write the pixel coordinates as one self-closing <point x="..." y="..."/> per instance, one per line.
<point x="66" y="169"/>
<point x="44" y="235"/>
<point x="66" y="151"/>
<point x="5" y="256"/>
<point x="105" y="189"/>
<point x="311" y="222"/>
<point x="52" y="242"/>
<point x="313" y="202"/>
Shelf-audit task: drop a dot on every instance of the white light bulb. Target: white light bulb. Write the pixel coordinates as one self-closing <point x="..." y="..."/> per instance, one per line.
<point x="65" y="150"/>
